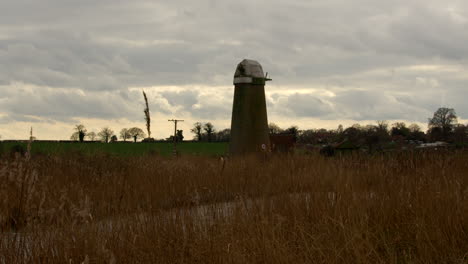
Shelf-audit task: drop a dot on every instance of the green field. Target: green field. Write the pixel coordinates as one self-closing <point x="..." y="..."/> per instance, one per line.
<point x="122" y="149"/>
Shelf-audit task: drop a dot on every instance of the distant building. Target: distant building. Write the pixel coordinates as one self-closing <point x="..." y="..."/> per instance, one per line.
<point x="283" y="143"/>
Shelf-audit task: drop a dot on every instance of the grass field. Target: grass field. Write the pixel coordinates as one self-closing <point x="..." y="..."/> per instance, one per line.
<point x="123" y="149"/>
<point x="393" y="208"/>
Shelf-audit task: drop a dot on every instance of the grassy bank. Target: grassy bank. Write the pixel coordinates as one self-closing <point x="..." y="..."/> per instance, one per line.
<point x="398" y="208"/>
<point x="122" y="149"/>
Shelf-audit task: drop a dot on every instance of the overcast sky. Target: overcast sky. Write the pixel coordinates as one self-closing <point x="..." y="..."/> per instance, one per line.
<point x="64" y="62"/>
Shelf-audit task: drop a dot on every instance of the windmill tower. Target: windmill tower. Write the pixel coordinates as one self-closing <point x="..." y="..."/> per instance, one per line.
<point x="249" y="124"/>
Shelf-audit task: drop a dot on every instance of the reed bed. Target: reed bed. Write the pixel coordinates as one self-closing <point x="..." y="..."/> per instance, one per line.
<point x="391" y="208"/>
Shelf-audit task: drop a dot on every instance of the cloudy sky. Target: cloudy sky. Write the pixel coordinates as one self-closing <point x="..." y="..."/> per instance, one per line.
<point x="64" y="62"/>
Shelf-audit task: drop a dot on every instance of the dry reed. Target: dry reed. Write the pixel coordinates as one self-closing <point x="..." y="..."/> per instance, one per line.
<point x="396" y="208"/>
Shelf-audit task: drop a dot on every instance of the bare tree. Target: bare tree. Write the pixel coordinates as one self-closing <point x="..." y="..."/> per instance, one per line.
<point x="414" y="128"/>
<point x="209" y="129"/>
<point x="340" y="129"/>
<point x="136" y="133"/>
<point x="416" y="133"/>
<point x="105" y="134"/>
<point x="147" y="115"/>
<point x="274" y="128"/>
<point x="91" y="135"/>
<point x="223" y="135"/>
<point x="382" y="132"/>
<point x="382" y="126"/>
<point x="197" y="130"/>
<point x="79" y="134"/>
<point x="74" y="136"/>
<point x="125" y="134"/>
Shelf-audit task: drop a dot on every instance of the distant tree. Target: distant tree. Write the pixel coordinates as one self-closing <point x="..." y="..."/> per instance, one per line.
<point x="435" y="134"/>
<point x="105" y="134"/>
<point x="274" y="128"/>
<point x="125" y="134"/>
<point x="308" y="136"/>
<point x="371" y="137"/>
<point x="340" y="129"/>
<point x="223" y="135"/>
<point x="147" y="115"/>
<point x="91" y="135"/>
<point x="209" y="130"/>
<point x="74" y="136"/>
<point x="197" y="130"/>
<point x="323" y="135"/>
<point x="113" y="138"/>
<point x="382" y="126"/>
<point x="136" y="133"/>
<point x="382" y="132"/>
<point x="399" y="129"/>
<point x="445" y="120"/>
<point x="316" y="136"/>
<point x="294" y="130"/>
<point x="79" y="134"/>
<point x="353" y="134"/>
<point x="414" y="128"/>
<point x="337" y="135"/>
<point x="179" y="135"/>
<point x="460" y="134"/>
<point x="416" y="133"/>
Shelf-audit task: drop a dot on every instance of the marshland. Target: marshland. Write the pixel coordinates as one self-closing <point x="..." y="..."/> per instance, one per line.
<point x="399" y="207"/>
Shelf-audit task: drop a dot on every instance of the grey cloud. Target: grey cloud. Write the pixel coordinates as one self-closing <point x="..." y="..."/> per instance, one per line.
<point x="45" y="104"/>
<point x="212" y="111"/>
<point x="185" y="98"/>
<point x="200" y="105"/>
<point x="7" y="119"/>
<point x="429" y="32"/>
<point x="307" y="105"/>
<point x="354" y="105"/>
<point x="375" y="105"/>
<point x="84" y="55"/>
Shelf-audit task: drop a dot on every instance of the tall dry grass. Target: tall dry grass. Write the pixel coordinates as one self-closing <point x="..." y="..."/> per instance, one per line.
<point x="396" y="208"/>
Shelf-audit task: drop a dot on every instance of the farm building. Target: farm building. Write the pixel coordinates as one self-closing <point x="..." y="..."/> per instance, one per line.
<point x="282" y="142"/>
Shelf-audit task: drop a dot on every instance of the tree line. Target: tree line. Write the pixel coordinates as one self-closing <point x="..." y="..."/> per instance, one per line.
<point x="207" y="132"/>
<point x="106" y="134"/>
<point x="443" y="126"/>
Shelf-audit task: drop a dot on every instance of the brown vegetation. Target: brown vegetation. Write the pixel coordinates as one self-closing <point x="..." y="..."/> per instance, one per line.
<point x="401" y="208"/>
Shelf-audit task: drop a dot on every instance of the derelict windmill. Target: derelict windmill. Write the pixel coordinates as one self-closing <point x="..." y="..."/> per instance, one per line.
<point x="249" y="124"/>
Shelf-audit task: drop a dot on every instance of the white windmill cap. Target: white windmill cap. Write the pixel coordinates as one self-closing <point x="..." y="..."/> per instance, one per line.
<point x="249" y="71"/>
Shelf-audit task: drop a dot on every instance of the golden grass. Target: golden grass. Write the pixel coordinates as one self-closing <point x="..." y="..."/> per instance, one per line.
<point x="397" y="208"/>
